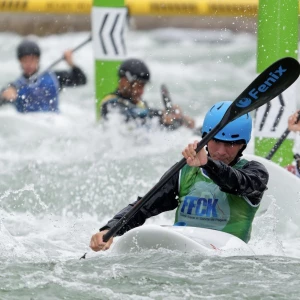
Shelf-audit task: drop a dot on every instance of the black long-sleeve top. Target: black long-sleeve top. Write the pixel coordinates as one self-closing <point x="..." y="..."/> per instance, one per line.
<point x="127" y="107"/>
<point x="71" y="78"/>
<point x="129" y="110"/>
<point x="250" y="181"/>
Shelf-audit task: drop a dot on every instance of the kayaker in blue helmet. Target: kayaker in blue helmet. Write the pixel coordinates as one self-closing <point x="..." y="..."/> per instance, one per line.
<point x="216" y="189"/>
<point x="127" y="99"/>
<point x="34" y="92"/>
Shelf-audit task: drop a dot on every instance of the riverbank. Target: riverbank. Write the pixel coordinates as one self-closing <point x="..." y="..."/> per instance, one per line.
<point x="46" y="24"/>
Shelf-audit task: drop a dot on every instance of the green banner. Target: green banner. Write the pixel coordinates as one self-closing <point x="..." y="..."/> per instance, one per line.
<point x="108" y="27"/>
<point x="277" y="38"/>
<point x="277" y="34"/>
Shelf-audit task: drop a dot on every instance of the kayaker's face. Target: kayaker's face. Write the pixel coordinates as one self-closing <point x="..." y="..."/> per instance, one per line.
<point x="224" y="152"/>
<point x="137" y="90"/>
<point x="132" y="90"/>
<point x="124" y="87"/>
<point x="29" y="64"/>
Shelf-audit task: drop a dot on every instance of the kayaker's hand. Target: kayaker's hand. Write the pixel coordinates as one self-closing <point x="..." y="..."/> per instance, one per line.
<point x="10" y="94"/>
<point x="175" y="114"/>
<point x="188" y="122"/>
<point x="293" y="125"/>
<point x="194" y="159"/>
<point x="68" y="55"/>
<point x="97" y="243"/>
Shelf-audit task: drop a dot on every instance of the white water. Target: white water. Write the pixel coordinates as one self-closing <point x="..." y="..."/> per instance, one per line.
<point x="63" y="176"/>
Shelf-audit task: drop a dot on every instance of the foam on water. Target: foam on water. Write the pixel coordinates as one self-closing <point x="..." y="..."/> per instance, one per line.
<point x="63" y="176"/>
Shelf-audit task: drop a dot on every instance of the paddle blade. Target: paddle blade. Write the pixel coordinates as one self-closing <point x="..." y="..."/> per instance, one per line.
<point x="269" y="84"/>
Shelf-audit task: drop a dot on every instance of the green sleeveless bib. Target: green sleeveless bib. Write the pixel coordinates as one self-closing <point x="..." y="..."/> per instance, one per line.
<point x="203" y="204"/>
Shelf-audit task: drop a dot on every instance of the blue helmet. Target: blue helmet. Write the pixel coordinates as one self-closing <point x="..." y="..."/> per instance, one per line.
<point x="239" y="129"/>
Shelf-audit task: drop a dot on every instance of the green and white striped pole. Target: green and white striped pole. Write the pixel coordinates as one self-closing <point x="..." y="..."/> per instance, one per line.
<point x="108" y="27"/>
<point x="277" y="38"/>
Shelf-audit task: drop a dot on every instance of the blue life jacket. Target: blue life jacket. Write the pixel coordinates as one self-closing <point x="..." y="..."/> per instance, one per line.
<point x="40" y="95"/>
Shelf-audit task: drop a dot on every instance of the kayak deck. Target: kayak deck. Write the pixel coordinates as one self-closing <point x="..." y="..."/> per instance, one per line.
<point x="181" y="238"/>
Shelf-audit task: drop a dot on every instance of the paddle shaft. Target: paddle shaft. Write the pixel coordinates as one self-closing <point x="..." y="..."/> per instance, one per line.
<point x="73" y="50"/>
<point x="288" y="71"/>
<point x="280" y="141"/>
<point x="166" y="97"/>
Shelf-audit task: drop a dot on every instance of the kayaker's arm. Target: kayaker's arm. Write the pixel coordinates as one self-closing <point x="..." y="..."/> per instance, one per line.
<point x="250" y="181"/>
<point x="166" y="120"/>
<point x="153" y="112"/>
<point x="172" y="119"/>
<point x="164" y="200"/>
<point x="70" y="79"/>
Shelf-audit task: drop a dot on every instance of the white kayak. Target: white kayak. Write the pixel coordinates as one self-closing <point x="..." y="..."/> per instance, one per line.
<point x="181" y="238"/>
<point x="283" y="192"/>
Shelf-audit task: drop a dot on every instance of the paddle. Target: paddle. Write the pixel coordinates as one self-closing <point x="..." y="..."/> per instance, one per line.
<point x="73" y="50"/>
<point x="166" y="97"/>
<point x="280" y="140"/>
<point x="270" y="83"/>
